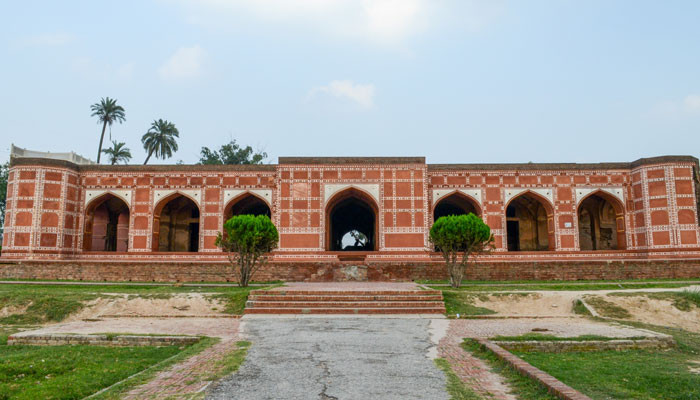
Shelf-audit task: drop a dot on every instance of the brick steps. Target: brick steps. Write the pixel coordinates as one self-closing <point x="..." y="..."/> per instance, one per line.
<point x="345" y="302"/>
<point x="413" y="310"/>
<point x="290" y="297"/>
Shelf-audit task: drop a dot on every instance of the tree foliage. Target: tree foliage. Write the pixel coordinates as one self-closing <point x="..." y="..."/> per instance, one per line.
<point x="160" y="140"/>
<point x="232" y="154"/>
<point x="460" y="235"/>
<point x="247" y="240"/>
<point x="107" y="112"/>
<point x="118" y="153"/>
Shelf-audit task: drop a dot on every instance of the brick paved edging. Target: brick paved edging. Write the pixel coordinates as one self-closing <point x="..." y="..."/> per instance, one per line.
<point x="559" y="346"/>
<point x="553" y="385"/>
<point x="101" y="340"/>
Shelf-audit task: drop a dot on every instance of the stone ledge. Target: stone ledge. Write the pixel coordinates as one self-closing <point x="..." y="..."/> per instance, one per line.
<point x="552" y="384"/>
<point x="100" y="340"/>
<point x="587" y="345"/>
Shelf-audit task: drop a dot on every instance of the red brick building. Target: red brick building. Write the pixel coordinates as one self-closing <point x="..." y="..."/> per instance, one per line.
<point x="550" y="221"/>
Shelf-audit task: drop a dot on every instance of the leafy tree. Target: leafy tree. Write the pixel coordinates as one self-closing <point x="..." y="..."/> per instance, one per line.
<point x="231" y="153"/>
<point x="248" y="238"/>
<point x="4" y="171"/>
<point x="160" y="140"/>
<point x="107" y="112"/>
<point x="118" y="153"/>
<point x="464" y="235"/>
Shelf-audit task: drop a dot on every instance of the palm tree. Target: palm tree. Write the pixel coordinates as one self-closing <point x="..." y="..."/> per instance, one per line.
<point x="107" y="111"/>
<point x="118" y="153"/>
<point x="160" y="140"/>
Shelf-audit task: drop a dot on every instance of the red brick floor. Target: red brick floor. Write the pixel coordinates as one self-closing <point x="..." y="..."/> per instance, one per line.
<point x="473" y="371"/>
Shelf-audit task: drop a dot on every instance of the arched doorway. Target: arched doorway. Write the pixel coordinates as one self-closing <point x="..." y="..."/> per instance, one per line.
<point x="351" y="222"/>
<point x="529" y="223"/>
<point x="106" y="224"/>
<point x="247" y="204"/>
<point x="456" y="203"/>
<point x="601" y="223"/>
<point x="176" y="224"/>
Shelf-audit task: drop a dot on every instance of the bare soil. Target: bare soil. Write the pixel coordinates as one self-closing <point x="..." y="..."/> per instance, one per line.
<point x="13" y="310"/>
<point x="175" y="305"/>
<point x="658" y="312"/>
<point x="551" y="304"/>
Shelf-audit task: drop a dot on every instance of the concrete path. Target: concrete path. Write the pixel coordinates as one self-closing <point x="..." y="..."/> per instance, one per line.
<point x="335" y="358"/>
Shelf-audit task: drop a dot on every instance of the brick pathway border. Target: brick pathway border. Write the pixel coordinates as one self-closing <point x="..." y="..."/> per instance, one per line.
<point x="553" y="385"/>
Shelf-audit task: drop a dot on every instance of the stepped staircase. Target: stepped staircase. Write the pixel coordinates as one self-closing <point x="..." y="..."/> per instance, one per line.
<point x="340" y="301"/>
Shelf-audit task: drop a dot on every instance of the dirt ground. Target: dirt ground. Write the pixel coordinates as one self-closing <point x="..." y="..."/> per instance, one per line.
<point x="176" y="305"/>
<point x="658" y="312"/>
<point x="549" y="304"/>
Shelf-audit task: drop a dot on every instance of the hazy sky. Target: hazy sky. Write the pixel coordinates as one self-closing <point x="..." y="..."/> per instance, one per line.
<point x="455" y="81"/>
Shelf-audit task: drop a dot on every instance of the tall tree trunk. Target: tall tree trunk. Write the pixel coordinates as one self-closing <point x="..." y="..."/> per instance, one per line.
<point x="99" y="150"/>
<point x="148" y="158"/>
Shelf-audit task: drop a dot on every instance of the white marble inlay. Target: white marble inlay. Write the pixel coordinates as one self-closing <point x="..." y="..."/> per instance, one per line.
<point x="265" y="194"/>
<point x="546" y="192"/>
<point x="193" y="194"/>
<point x="332" y="188"/>
<point x="438" y="194"/>
<point x="124" y="194"/>
<point x="616" y="191"/>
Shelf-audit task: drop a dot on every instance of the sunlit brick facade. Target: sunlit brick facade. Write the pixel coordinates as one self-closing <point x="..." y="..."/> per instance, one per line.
<point x="60" y="211"/>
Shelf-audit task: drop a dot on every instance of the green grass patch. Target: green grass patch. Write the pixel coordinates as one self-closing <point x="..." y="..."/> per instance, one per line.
<point x="230" y="362"/>
<point x="606" y="308"/>
<point x="524" y="388"/>
<point x="120" y="388"/>
<point x="455" y="387"/>
<point x="480" y="286"/>
<point x="457" y="302"/>
<point x="580" y="309"/>
<point x="71" y="372"/>
<point x="631" y="374"/>
<point x="40" y="306"/>
<point x="551" y="338"/>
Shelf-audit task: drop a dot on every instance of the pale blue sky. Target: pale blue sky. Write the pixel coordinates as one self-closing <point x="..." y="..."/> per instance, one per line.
<point x="452" y="80"/>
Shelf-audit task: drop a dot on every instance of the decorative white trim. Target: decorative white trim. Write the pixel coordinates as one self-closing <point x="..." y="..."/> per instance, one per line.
<point x="438" y="194"/>
<point x="265" y="194"/>
<point x="546" y="192"/>
<point x="616" y="191"/>
<point x="124" y="194"/>
<point x="193" y="194"/>
<point x="330" y="189"/>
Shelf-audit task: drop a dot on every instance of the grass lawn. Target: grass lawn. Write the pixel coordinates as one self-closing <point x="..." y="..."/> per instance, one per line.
<point x="52" y="303"/>
<point x="458" y="302"/>
<point x="684" y="300"/>
<point x="71" y="372"/>
<point x="633" y="374"/>
<point x="551" y="338"/>
<point x="525" y="388"/>
<point x="480" y="286"/>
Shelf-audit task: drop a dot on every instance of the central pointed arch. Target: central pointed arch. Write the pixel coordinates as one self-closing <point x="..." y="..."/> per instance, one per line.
<point x="347" y="213"/>
<point x="530" y="223"/>
<point x="176" y="224"/>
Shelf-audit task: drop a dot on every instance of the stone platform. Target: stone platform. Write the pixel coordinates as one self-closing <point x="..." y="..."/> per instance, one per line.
<point x="346" y="298"/>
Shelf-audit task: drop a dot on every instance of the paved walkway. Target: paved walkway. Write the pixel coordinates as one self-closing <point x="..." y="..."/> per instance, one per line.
<point x="335" y="358"/>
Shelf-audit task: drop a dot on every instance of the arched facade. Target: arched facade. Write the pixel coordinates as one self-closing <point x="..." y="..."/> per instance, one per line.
<point x="176" y="224"/>
<point x="352" y="221"/>
<point x="456" y="203"/>
<point x="246" y="203"/>
<point x="106" y="224"/>
<point x="601" y="222"/>
<point x="530" y="223"/>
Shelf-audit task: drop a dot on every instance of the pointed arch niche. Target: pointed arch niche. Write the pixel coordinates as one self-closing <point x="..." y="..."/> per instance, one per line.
<point x="352" y="221"/>
<point x="176" y="224"/>
<point x="530" y="223"/>
<point x="106" y="224"/>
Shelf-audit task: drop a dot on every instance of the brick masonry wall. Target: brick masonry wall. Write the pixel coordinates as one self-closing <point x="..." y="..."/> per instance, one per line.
<point x="340" y="271"/>
<point x="47" y="203"/>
